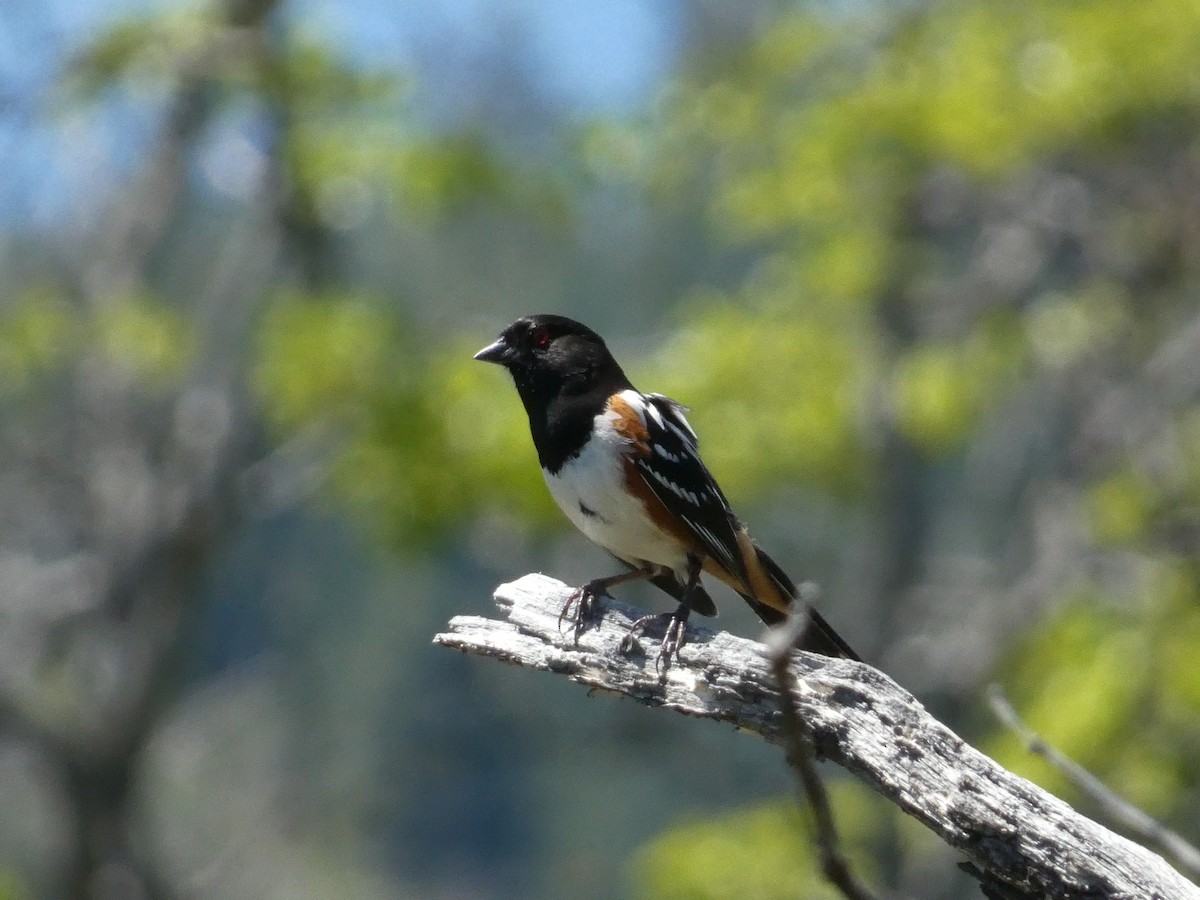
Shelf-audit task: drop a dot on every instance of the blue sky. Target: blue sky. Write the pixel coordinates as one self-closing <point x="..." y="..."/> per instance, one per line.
<point x="605" y="55"/>
<point x="584" y="58"/>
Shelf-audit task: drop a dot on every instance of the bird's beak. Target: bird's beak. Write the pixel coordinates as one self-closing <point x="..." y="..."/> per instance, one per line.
<point x="497" y="352"/>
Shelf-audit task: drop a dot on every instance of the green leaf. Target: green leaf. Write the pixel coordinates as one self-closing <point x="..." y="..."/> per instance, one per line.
<point x="763" y="852"/>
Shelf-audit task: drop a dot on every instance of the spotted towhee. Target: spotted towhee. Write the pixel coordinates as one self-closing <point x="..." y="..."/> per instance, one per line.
<point x="625" y="468"/>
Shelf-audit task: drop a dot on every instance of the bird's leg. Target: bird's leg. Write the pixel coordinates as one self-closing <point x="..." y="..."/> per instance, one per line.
<point x="673" y="639"/>
<point x="586" y="595"/>
<point x="676" y="621"/>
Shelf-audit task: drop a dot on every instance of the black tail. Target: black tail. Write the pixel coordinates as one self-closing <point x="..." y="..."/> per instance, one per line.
<point x="819" y="637"/>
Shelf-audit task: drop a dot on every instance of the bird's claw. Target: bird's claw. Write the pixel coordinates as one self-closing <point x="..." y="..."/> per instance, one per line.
<point x="672" y="640"/>
<point x="585" y="598"/>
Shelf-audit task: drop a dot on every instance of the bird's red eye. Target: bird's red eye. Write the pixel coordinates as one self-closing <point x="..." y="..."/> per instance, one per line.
<point x="541" y="337"/>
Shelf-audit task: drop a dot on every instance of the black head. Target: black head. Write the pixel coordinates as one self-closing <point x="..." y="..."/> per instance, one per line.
<point x="548" y="355"/>
<point x="564" y="375"/>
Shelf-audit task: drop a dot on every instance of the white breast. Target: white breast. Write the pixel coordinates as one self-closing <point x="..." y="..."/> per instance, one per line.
<point x="616" y="520"/>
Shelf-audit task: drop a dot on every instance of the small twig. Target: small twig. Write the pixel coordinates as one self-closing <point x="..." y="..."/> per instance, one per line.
<point x="781" y="643"/>
<point x="1116" y="808"/>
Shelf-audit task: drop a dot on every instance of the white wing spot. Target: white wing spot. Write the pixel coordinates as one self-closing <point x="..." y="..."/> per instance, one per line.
<point x="665" y="453"/>
<point x="675" y="405"/>
<point x="687" y="436"/>
<point x="680" y="492"/>
<point x="654" y="414"/>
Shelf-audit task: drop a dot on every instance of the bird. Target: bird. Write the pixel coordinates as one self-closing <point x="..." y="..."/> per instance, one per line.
<point x="625" y="469"/>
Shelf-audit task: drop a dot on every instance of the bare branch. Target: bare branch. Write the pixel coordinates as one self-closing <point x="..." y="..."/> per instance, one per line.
<point x="1115" y="808"/>
<point x="1020" y="841"/>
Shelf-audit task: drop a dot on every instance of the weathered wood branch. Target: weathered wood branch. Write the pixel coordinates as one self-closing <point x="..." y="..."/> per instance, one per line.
<point x="1020" y="841"/>
<point x="1115" y="808"/>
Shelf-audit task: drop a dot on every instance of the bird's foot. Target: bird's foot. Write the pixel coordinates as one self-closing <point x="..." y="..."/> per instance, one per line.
<point x="673" y="635"/>
<point x="584" y="599"/>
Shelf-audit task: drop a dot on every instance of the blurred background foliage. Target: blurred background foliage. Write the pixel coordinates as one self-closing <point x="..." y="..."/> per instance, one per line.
<point x="926" y="275"/>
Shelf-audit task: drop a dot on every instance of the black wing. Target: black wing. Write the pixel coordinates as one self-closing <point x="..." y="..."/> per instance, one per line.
<point x="673" y="470"/>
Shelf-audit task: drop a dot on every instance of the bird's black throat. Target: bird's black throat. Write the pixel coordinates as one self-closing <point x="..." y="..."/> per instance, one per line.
<point x="562" y="412"/>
